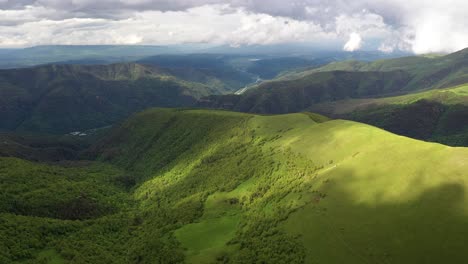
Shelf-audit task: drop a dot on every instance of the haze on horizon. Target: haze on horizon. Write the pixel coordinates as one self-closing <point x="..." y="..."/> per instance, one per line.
<point x="412" y="26"/>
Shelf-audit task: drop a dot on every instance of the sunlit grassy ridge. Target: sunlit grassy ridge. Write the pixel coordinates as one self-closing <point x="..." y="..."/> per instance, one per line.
<point x="255" y="176"/>
<point x="437" y="115"/>
<point x="216" y="186"/>
<point x="448" y="96"/>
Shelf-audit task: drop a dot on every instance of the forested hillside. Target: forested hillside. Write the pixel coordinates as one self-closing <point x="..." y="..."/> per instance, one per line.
<point x="196" y="186"/>
<point x="68" y="98"/>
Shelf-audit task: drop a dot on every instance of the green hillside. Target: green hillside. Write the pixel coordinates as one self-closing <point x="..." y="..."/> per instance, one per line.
<point x="298" y="90"/>
<point x="275" y="97"/>
<point x="426" y="72"/>
<point x="423" y="112"/>
<point x="435" y="115"/>
<point x="44" y="148"/>
<point x="202" y="186"/>
<point x="67" y="98"/>
<point x="221" y="71"/>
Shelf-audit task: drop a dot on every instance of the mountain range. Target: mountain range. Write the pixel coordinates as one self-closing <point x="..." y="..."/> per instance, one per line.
<point x="234" y="158"/>
<point x="319" y="90"/>
<point x="204" y="186"/>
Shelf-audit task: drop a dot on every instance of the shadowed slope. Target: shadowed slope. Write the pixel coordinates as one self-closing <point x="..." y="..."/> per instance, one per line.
<point x="67" y="98"/>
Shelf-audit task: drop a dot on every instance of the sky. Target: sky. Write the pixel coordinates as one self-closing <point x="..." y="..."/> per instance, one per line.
<point x="418" y="26"/>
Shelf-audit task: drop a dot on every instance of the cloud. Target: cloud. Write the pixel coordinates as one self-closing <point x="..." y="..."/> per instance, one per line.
<point x="416" y="25"/>
<point x="354" y="43"/>
<point x="218" y="24"/>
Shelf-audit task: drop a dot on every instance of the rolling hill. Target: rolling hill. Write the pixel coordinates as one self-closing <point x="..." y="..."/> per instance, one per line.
<point x="437" y="115"/>
<point x="200" y="186"/>
<point x="335" y="89"/>
<point x="348" y="79"/>
<point x="275" y="97"/>
<point x="215" y="69"/>
<point x="426" y="71"/>
<point x="67" y="98"/>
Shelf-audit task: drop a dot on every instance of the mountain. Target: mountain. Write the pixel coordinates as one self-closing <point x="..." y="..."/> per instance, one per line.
<point x="336" y="88"/>
<point x="71" y="96"/>
<point x="296" y="95"/>
<point x="298" y="90"/>
<point x="258" y="62"/>
<point x="67" y="98"/>
<point x="198" y="66"/>
<point x="199" y="186"/>
<point x="426" y="71"/>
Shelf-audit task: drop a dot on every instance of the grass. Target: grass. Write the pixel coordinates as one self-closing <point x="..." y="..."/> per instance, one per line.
<point x="50" y="257"/>
<point x="207" y="239"/>
<point x="222" y="187"/>
<point x="432" y="115"/>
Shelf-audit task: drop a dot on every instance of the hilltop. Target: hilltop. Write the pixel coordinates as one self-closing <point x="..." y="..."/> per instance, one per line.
<point x="213" y="186"/>
<point x="436" y="115"/>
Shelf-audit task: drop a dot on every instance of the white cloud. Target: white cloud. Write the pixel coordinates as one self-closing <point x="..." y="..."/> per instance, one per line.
<point x="438" y="31"/>
<point x="364" y="22"/>
<point x="417" y="25"/>
<point x="354" y="43"/>
<point x="218" y="24"/>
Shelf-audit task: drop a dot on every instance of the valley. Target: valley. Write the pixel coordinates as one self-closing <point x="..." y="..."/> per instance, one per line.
<point x="233" y="158"/>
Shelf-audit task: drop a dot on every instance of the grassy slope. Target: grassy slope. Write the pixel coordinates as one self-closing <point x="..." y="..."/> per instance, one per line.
<point x="449" y="96"/>
<point x="436" y="115"/>
<point x="285" y="188"/>
<point x="216" y="186"/>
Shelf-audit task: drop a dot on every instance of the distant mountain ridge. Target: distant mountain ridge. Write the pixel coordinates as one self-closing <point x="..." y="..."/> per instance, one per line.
<point x="427" y="72"/>
<point x="66" y="98"/>
<point x="318" y="89"/>
<point x="275" y="97"/>
<point x="359" y="79"/>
